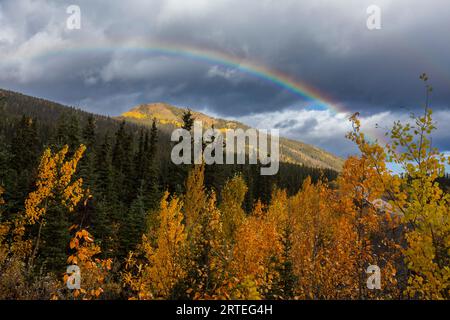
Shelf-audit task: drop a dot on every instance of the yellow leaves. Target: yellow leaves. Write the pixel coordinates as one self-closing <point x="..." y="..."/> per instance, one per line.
<point x="134" y="114"/>
<point x="54" y="183"/>
<point x="247" y="290"/>
<point x="167" y="263"/>
<point x="233" y="194"/>
<point x="194" y="198"/>
<point x="73" y="194"/>
<point x="163" y="265"/>
<point x="257" y="246"/>
<point x="322" y="243"/>
<point x="278" y="210"/>
<point x="55" y="186"/>
<point x="83" y="234"/>
<point x="425" y="208"/>
<point x="415" y="197"/>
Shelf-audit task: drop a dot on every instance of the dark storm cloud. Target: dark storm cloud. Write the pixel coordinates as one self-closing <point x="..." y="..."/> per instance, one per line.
<point x="323" y="43"/>
<point x="285" y="124"/>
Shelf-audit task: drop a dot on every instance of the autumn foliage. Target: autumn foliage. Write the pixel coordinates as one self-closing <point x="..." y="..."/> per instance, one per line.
<point x="317" y="243"/>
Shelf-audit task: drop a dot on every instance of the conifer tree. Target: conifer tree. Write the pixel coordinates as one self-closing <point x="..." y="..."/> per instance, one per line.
<point x="68" y="131"/>
<point x="179" y="173"/>
<point x="153" y="181"/>
<point x="24" y="159"/>
<point x="104" y="220"/>
<point x="104" y="170"/>
<point x="188" y="120"/>
<point x="87" y="163"/>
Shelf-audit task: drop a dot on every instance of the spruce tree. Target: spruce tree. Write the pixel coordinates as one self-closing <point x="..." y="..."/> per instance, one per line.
<point x="104" y="220"/>
<point x="103" y="170"/>
<point x="89" y="137"/>
<point x="179" y="173"/>
<point x="87" y="163"/>
<point x="73" y="138"/>
<point x="152" y="188"/>
<point x="68" y="132"/>
<point x="188" y="120"/>
<point x="24" y="159"/>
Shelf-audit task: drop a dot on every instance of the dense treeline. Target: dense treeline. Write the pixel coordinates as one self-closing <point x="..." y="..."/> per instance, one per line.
<point x="125" y="169"/>
<point x="56" y="125"/>
<point x="139" y="230"/>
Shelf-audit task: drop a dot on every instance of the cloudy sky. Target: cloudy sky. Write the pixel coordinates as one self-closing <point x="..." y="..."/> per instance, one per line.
<point x="323" y="44"/>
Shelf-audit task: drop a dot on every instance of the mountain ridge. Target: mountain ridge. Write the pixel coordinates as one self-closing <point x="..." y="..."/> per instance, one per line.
<point x="170" y="117"/>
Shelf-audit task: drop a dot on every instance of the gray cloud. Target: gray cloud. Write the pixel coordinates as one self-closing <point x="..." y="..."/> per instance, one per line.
<point x="324" y="44"/>
<point x="308" y="125"/>
<point x="285" y="124"/>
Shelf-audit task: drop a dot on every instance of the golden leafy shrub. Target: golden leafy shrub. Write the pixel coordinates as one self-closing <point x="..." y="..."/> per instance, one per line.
<point x="233" y="195"/>
<point x="155" y="269"/>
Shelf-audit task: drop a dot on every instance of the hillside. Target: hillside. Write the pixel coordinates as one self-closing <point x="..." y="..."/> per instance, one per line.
<point x="291" y="151"/>
<point x="167" y="117"/>
<point x="116" y="147"/>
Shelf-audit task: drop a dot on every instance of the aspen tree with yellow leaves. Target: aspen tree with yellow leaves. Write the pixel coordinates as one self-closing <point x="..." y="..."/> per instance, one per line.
<point x="322" y="245"/>
<point x="417" y="198"/>
<point x="154" y="270"/>
<point x="424" y="205"/>
<point x="54" y="188"/>
<point x="209" y="257"/>
<point x="363" y="186"/>
<point x="233" y="195"/>
<point x="194" y="197"/>
<point x="255" y="253"/>
<point x="361" y="189"/>
<point x="207" y="248"/>
<point x="14" y="251"/>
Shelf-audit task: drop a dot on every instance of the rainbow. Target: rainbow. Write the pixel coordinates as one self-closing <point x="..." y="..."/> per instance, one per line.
<point x="202" y="55"/>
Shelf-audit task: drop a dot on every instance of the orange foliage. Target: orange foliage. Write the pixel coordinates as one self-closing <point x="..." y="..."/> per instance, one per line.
<point x="93" y="270"/>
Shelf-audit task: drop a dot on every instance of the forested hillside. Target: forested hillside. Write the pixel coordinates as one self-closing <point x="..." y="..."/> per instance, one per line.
<point x="169" y="117"/>
<point x="101" y="196"/>
<point x="52" y="124"/>
<point x="125" y="166"/>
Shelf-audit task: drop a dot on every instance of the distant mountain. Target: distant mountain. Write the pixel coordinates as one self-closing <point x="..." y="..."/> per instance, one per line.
<point x="55" y="124"/>
<point x="291" y="151"/>
<point x="167" y="116"/>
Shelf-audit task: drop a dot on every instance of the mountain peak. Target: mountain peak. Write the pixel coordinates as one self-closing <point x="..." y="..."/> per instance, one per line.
<point x="158" y="111"/>
<point x="165" y="114"/>
<point x="168" y="116"/>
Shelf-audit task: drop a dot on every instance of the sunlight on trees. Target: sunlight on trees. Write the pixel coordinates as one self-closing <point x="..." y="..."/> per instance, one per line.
<point x="316" y="243"/>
